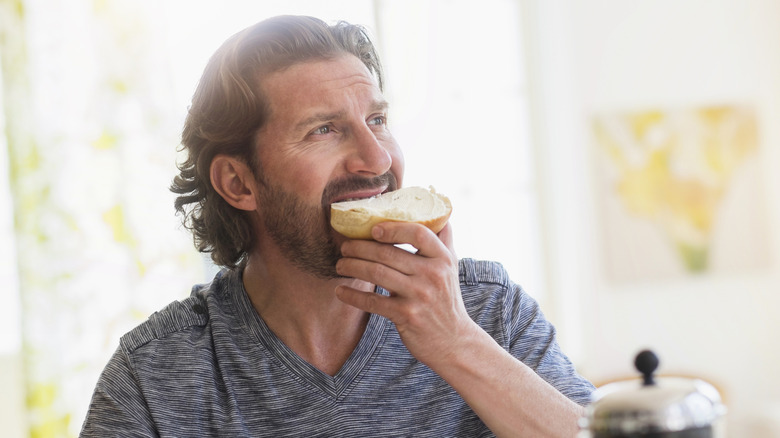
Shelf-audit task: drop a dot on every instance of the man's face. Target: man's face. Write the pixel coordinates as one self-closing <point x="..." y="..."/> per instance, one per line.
<point x="326" y="140"/>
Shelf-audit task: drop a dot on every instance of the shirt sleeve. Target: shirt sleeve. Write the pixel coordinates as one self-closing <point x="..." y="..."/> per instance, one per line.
<point x="118" y="408"/>
<point x="532" y="339"/>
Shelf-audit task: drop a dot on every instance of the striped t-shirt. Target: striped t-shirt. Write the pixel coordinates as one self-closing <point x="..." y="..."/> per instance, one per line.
<point x="209" y="366"/>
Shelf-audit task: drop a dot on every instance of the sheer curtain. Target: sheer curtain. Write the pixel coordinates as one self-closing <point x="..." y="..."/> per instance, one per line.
<point x="94" y="94"/>
<point x="91" y="138"/>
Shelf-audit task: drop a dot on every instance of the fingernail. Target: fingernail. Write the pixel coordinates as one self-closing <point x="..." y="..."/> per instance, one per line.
<point x="377" y="232"/>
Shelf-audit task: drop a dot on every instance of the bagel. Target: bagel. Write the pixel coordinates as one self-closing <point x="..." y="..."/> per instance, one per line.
<point x="355" y="219"/>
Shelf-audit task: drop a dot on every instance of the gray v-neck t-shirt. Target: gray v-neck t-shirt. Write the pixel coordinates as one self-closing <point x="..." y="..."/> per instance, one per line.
<point x="209" y="366"/>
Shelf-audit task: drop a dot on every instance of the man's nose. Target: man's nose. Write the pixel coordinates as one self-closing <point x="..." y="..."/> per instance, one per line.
<point x="368" y="156"/>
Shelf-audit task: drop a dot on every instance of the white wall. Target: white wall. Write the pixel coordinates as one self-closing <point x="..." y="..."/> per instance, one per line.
<point x="604" y="55"/>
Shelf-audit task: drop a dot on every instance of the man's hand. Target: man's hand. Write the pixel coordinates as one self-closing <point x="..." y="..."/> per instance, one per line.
<point x="425" y="300"/>
<point x="426" y="306"/>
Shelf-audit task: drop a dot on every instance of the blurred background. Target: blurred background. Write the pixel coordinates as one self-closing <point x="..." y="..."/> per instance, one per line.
<point x="622" y="159"/>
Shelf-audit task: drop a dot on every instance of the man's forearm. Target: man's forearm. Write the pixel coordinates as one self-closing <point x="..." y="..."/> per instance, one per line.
<point x="508" y="396"/>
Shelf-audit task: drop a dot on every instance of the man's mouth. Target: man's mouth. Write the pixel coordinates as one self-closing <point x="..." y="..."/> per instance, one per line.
<point x="357" y="196"/>
<point x="358" y="188"/>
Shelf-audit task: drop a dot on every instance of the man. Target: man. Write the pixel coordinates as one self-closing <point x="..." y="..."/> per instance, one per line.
<point x="306" y="333"/>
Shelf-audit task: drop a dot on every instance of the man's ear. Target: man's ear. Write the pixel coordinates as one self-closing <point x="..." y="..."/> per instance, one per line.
<point x="234" y="181"/>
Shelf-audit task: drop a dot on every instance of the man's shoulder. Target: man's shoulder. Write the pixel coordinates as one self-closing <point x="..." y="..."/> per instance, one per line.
<point x="486" y="285"/>
<point x="482" y="272"/>
<point x="177" y="317"/>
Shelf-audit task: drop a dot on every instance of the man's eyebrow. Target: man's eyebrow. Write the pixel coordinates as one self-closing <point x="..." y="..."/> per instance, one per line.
<point x="379" y="105"/>
<point x="319" y="118"/>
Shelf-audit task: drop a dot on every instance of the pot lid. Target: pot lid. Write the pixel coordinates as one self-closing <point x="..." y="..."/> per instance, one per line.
<point x="652" y="404"/>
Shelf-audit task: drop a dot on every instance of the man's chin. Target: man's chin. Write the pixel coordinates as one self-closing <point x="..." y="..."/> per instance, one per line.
<point x="338" y="238"/>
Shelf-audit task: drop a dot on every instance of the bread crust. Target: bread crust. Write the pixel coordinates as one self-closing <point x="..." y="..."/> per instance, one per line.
<point x="357" y="224"/>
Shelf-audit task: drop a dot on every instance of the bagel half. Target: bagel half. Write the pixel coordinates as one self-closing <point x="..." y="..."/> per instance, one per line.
<point x="355" y="219"/>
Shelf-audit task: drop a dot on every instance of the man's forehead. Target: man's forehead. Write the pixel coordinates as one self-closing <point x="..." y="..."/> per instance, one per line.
<point x="314" y="83"/>
<point x="342" y="68"/>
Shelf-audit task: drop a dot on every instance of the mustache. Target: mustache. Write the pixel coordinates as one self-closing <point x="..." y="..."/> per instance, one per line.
<point x="356" y="183"/>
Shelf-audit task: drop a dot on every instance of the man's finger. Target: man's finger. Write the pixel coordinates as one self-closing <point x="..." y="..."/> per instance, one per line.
<point x="445" y="235"/>
<point x="399" y="259"/>
<point x="419" y="236"/>
<point x="366" y="301"/>
<point x="377" y="273"/>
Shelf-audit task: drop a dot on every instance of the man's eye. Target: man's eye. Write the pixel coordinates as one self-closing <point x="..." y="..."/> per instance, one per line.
<point x="322" y="130"/>
<point x="378" y="120"/>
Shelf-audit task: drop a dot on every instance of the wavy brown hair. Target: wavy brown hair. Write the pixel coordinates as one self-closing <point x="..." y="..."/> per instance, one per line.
<point x="228" y="109"/>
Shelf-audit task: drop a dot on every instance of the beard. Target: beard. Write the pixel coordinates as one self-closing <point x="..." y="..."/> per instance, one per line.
<point x="302" y="231"/>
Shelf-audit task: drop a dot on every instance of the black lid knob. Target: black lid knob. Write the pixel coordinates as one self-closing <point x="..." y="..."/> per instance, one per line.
<point x="646" y="363"/>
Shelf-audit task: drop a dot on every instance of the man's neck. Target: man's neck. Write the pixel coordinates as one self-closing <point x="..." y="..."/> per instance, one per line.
<point x="303" y="311"/>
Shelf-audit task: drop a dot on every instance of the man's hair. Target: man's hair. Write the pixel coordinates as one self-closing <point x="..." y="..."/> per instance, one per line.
<point x="228" y="109"/>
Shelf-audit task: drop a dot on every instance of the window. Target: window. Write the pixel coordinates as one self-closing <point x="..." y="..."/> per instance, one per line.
<point x="109" y="86"/>
<point x="456" y="83"/>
